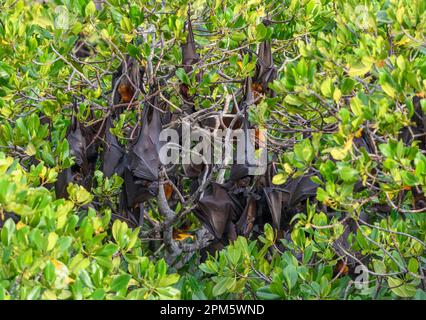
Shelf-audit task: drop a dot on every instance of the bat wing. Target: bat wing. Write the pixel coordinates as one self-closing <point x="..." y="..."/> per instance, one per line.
<point x="61" y="184"/>
<point x="241" y="166"/>
<point x="77" y="143"/>
<point x="299" y="189"/>
<point x="113" y="152"/>
<point x="265" y="70"/>
<point x="216" y="210"/>
<point x="274" y="198"/>
<point x="189" y="53"/>
<point x="144" y="155"/>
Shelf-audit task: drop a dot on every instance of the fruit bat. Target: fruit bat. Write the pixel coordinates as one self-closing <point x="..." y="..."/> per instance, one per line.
<point x="130" y="78"/>
<point x="265" y="70"/>
<point x="241" y="170"/>
<point x="419" y="125"/>
<point x="141" y="164"/>
<point x="297" y="190"/>
<point x="79" y="170"/>
<point x="81" y="49"/>
<point x="246" y="222"/>
<point x="217" y="210"/>
<point x="189" y="58"/>
<point x="113" y="153"/>
<point x="144" y="156"/>
<point x="274" y="197"/>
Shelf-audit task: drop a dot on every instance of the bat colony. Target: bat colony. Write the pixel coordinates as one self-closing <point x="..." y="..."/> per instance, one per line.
<point x="239" y="206"/>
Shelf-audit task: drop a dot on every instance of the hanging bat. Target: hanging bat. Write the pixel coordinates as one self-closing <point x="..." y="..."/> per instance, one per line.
<point x="144" y="155"/>
<point x="141" y="164"/>
<point x="113" y="153"/>
<point x="418" y="128"/>
<point x="126" y="81"/>
<point x="246" y="222"/>
<point x="189" y="58"/>
<point x="297" y="190"/>
<point x="217" y="210"/>
<point x="273" y="196"/>
<point x="241" y="170"/>
<point x="79" y="170"/>
<point x="265" y="72"/>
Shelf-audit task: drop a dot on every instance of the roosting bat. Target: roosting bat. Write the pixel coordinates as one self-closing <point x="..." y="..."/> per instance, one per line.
<point x="265" y="70"/>
<point x="274" y="197"/>
<point x="297" y="190"/>
<point x="144" y="154"/>
<point x="189" y="58"/>
<point x="79" y="170"/>
<point x="241" y="170"/>
<point x="126" y="81"/>
<point x="407" y="135"/>
<point x="217" y="210"/>
<point x="141" y="164"/>
<point x="113" y="153"/>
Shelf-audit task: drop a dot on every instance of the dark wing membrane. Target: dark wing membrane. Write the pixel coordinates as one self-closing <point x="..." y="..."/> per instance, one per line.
<point x="241" y="166"/>
<point x="113" y="153"/>
<point x="77" y="142"/>
<point x="274" y="198"/>
<point x="298" y="190"/>
<point x="144" y="155"/>
<point x="189" y="54"/>
<point x="61" y="184"/>
<point x="216" y="210"/>
<point x="265" y="69"/>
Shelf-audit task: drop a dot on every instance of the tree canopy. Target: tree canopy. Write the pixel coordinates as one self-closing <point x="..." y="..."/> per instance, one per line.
<point x="334" y="90"/>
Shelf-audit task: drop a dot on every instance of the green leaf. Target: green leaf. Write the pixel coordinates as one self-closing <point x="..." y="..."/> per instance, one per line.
<point x="7" y="231"/>
<point x="290" y="276"/>
<point x="90" y="9"/>
<point x="49" y="272"/>
<point x="279" y="178"/>
<point x="261" y="32"/>
<point x="238" y="36"/>
<point x="119" y="283"/>
<point x="52" y="238"/>
<point x="224" y="284"/>
<point x="327" y="87"/>
<point x="413" y="265"/>
<point x="359" y="70"/>
<point x="400" y="288"/>
<point x="182" y="76"/>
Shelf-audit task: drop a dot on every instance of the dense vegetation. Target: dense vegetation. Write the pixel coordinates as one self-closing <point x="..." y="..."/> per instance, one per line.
<point x="340" y="213"/>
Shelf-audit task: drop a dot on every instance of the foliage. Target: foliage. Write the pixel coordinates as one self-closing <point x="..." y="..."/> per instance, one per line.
<point x="348" y="72"/>
<point x="58" y="250"/>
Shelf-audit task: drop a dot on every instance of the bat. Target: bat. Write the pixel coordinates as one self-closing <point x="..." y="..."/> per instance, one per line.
<point x="216" y="210"/>
<point x="141" y="164"/>
<point x="81" y="49"/>
<point x="189" y="58"/>
<point x="126" y="81"/>
<point x="113" y="153"/>
<point x="265" y="71"/>
<point x="79" y="170"/>
<point x="240" y="170"/>
<point x="297" y="190"/>
<point x="273" y="196"/>
<point x="246" y="222"/>
<point x="144" y="159"/>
